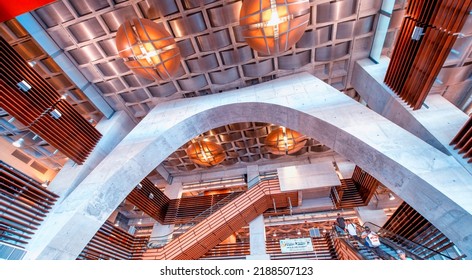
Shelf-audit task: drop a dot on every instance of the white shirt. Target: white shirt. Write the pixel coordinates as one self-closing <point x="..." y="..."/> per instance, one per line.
<point x="351" y="228"/>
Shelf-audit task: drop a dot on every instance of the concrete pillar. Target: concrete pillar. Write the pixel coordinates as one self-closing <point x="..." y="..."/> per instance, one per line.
<point x="71" y="175"/>
<point x="257" y="239"/>
<point x="162" y="234"/>
<point x="257" y="234"/>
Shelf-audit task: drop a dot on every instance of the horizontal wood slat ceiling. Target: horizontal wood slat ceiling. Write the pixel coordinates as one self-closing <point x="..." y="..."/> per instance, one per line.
<point x="415" y="64"/>
<point x="463" y="140"/>
<point x="71" y="134"/>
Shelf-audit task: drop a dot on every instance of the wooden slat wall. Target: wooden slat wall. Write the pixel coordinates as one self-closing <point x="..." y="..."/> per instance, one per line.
<point x="410" y="224"/>
<point x="219" y="226"/>
<point x="23" y="205"/>
<point x="366" y="184"/>
<point x="170" y="211"/>
<point x="463" y="140"/>
<point x="71" y="133"/>
<point x="113" y="243"/>
<point x="415" y="64"/>
<point x="181" y="211"/>
<point x="155" y="207"/>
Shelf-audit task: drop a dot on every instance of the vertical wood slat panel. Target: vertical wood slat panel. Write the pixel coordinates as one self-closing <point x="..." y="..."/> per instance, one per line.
<point x="412" y="71"/>
<point x="366" y="183"/>
<point x="156" y="207"/>
<point x="410" y="224"/>
<point x="463" y="140"/>
<point x="71" y="133"/>
<point x="23" y="205"/>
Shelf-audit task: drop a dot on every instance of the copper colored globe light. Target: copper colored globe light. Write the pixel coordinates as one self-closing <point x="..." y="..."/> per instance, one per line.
<point x="205" y="153"/>
<point x="148" y="49"/>
<point x="273" y="26"/>
<point x="284" y="141"/>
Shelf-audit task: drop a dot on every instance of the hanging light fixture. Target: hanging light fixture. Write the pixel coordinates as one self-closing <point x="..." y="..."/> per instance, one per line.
<point x="205" y="153"/>
<point x="284" y="141"/>
<point x="390" y="196"/>
<point x="148" y="49"/>
<point x="273" y="26"/>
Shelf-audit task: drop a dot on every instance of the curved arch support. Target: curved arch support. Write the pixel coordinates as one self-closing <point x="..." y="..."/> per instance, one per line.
<point x="434" y="184"/>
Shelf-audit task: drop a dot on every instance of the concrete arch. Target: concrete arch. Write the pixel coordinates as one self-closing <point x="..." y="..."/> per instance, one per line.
<point x="433" y="183"/>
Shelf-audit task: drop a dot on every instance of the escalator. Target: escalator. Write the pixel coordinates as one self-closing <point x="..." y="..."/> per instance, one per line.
<point x="349" y="248"/>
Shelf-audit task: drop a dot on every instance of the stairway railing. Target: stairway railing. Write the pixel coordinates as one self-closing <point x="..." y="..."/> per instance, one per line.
<point x="162" y="240"/>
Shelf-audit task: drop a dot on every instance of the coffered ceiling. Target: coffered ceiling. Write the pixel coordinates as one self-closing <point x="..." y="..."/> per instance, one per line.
<point x="215" y="57"/>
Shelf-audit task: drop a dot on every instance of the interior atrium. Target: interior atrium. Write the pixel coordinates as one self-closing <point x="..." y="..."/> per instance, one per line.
<point x="230" y="129"/>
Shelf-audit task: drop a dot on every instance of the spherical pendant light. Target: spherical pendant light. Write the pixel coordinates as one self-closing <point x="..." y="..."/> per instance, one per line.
<point x="205" y="153"/>
<point x="148" y="49"/>
<point x="284" y="141"/>
<point x="273" y="26"/>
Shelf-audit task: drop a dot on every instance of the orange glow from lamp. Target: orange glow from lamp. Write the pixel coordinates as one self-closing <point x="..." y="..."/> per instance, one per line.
<point x="273" y="26"/>
<point x="205" y="153"/>
<point x="284" y="141"/>
<point x="148" y="49"/>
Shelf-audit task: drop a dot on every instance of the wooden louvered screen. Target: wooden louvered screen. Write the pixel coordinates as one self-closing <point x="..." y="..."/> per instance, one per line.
<point x="113" y="243"/>
<point x="463" y="140"/>
<point x="149" y="199"/>
<point x="366" y="184"/>
<point x="415" y="64"/>
<point x="185" y="209"/>
<point x="71" y="134"/>
<point x="24" y="203"/>
<point x="408" y="223"/>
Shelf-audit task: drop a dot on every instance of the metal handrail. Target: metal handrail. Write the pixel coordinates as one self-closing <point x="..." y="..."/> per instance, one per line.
<point x="381" y="229"/>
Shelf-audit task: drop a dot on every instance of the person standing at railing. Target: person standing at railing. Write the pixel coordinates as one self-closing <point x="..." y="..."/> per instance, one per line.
<point x="372" y="241"/>
<point x="351" y="229"/>
<point x="340" y="225"/>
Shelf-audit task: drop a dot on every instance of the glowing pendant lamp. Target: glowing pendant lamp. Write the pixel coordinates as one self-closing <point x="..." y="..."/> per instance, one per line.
<point x="148" y="49"/>
<point x="205" y="153"/>
<point x="284" y="141"/>
<point x="273" y="26"/>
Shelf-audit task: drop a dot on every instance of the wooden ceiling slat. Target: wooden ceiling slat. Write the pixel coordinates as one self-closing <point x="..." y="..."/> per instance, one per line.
<point x="71" y="133"/>
<point x="463" y="140"/>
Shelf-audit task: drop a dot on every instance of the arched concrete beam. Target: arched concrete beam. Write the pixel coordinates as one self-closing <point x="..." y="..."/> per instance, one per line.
<point x="434" y="184"/>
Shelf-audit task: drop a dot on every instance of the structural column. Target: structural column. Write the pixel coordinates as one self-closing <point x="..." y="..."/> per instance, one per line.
<point x="71" y="175"/>
<point x="162" y="234"/>
<point x="257" y="233"/>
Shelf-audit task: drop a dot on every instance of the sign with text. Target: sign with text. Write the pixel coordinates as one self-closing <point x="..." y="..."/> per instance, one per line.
<point x="296" y="245"/>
